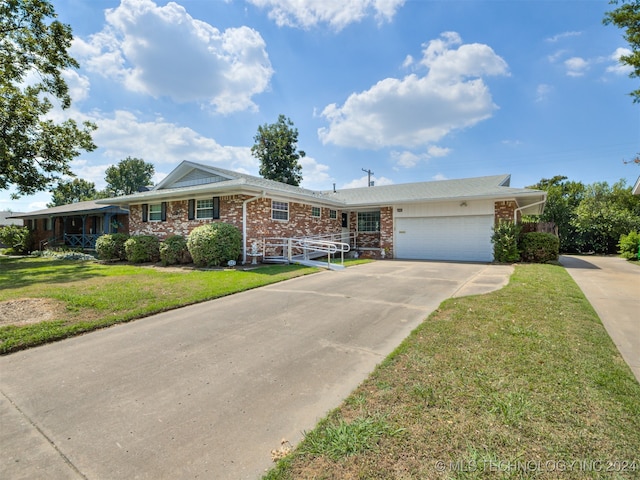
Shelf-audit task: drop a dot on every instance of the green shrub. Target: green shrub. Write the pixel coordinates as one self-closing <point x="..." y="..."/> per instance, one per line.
<point x="505" y="242"/>
<point x="142" y="248"/>
<point x="18" y="239"/>
<point x="629" y="246"/>
<point x="111" y="246"/>
<point x="174" y="250"/>
<point x="214" y="244"/>
<point x="538" y="247"/>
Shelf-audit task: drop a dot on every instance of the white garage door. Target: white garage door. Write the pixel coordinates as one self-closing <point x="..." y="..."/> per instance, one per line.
<point x="445" y="238"/>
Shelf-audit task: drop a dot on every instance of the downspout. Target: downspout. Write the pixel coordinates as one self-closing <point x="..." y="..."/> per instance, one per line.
<point x="515" y="212"/>
<point x="244" y="225"/>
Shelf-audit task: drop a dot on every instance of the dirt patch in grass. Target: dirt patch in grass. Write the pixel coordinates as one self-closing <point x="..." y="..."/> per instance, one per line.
<point x="24" y="311"/>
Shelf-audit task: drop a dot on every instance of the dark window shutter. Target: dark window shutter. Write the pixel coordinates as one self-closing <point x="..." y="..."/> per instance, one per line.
<point x="145" y="212"/>
<point x="216" y="207"/>
<point x="192" y="209"/>
<point x="163" y="212"/>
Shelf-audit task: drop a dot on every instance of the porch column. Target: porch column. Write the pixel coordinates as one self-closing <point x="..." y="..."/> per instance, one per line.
<point x="84" y="238"/>
<point x="106" y="223"/>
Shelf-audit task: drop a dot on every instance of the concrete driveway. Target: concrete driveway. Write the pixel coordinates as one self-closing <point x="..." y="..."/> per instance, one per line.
<point x="612" y="286"/>
<point x="207" y="391"/>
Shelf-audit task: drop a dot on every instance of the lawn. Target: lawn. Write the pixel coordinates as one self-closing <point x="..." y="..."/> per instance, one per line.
<point x="520" y="383"/>
<point x="84" y="296"/>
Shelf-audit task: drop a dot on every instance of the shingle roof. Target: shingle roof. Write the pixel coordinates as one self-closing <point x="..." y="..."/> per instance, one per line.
<point x="495" y="186"/>
<point x="77" y="208"/>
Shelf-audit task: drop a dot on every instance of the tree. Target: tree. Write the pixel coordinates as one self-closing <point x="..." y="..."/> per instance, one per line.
<point x="275" y="146"/>
<point x="605" y="214"/>
<point x="627" y="17"/>
<point x="34" y="149"/>
<point x="72" y="191"/>
<point x="129" y="176"/>
<point x="563" y="197"/>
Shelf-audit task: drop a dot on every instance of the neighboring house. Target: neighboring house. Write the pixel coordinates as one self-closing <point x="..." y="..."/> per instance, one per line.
<point x="5" y="218"/>
<point x="636" y="188"/>
<point x="442" y="220"/>
<point x="74" y="225"/>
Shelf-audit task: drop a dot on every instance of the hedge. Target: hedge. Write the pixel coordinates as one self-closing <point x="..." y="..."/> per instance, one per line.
<point x="214" y="244"/>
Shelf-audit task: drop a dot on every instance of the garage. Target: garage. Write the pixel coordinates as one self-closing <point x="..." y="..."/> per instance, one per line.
<point x="463" y="238"/>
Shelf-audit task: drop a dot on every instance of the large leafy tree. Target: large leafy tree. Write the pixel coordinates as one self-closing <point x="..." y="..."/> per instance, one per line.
<point x="627" y="17"/>
<point x="34" y="149"/>
<point x="276" y="146"/>
<point x="129" y="176"/>
<point x="605" y="213"/>
<point x="73" y="191"/>
<point x="563" y="197"/>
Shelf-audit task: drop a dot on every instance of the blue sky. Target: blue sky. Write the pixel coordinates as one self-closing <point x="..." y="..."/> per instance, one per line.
<point x="413" y="90"/>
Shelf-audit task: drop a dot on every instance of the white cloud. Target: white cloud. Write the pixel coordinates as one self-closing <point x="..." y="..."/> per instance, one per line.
<point x="315" y="176"/>
<point x="163" y="51"/>
<point x="563" y="35"/>
<point x="79" y="85"/>
<point x="542" y="92"/>
<point x="362" y="182"/>
<point x="576" y="66"/>
<point x="416" y="111"/>
<point x="619" y="68"/>
<point x="409" y="159"/>
<point x="122" y="134"/>
<point x="439" y="176"/>
<point x="336" y="13"/>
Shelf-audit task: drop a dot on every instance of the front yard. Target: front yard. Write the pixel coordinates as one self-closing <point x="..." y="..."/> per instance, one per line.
<point x="43" y="299"/>
<point x="520" y="383"/>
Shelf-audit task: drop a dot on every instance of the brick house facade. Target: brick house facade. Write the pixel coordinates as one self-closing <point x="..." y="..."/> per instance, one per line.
<point x="394" y="221"/>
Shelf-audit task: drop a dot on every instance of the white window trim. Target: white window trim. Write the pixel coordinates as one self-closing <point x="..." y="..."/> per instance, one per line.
<point x="319" y="212"/>
<point x="198" y="217"/>
<point x="273" y="210"/>
<point x="370" y="231"/>
<point x="333" y="214"/>
<point x="159" y="212"/>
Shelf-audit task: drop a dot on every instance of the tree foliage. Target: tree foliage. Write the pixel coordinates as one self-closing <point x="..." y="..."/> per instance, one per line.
<point x="563" y="197"/>
<point x="590" y="218"/>
<point x="276" y="147"/>
<point x="129" y="176"/>
<point x="627" y="17"/>
<point x="73" y="191"/>
<point x="34" y="149"/>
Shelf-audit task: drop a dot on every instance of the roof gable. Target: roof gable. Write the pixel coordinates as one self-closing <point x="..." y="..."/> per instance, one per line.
<point x="189" y="174"/>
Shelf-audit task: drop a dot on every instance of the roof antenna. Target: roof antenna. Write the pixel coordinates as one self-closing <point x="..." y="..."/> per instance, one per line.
<point x="369" y="173"/>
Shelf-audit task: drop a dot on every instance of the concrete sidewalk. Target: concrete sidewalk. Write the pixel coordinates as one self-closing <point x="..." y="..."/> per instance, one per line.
<point x="612" y="286"/>
<point x="207" y="391"/>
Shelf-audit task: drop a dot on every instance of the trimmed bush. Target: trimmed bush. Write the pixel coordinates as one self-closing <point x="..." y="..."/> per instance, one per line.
<point x="111" y="246"/>
<point x="18" y="239"/>
<point x="142" y="248"/>
<point x="174" y="250"/>
<point x="629" y="246"/>
<point x="214" y="244"/>
<point x="505" y="242"/>
<point x="538" y="247"/>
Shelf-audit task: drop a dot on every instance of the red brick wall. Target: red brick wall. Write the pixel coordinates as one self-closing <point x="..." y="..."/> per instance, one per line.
<point x="503" y="210"/>
<point x="259" y="222"/>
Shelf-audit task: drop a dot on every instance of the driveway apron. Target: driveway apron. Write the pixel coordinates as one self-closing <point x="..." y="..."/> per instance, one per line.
<point x="612" y="286"/>
<point x="207" y="391"/>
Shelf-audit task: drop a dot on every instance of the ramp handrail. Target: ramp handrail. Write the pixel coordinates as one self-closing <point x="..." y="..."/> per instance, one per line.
<point x="283" y="249"/>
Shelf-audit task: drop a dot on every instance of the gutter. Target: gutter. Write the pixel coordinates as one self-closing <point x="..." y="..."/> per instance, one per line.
<point x="244" y="224"/>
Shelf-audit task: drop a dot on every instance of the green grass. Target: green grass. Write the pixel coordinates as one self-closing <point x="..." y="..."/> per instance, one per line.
<point x="520" y="383"/>
<point x="90" y="295"/>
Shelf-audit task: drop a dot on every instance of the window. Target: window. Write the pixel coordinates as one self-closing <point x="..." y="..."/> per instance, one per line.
<point x="333" y="214"/>
<point x="46" y="224"/>
<point x="315" y="212"/>
<point x="279" y="210"/>
<point x="204" y="208"/>
<point x="368" y="221"/>
<point x="155" y="212"/>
